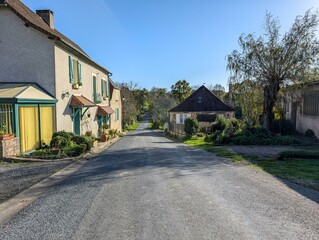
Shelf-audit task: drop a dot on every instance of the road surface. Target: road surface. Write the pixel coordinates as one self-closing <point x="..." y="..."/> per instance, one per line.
<point x="148" y="187"/>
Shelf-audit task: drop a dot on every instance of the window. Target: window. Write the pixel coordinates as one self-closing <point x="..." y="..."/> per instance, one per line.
<point x="97" y="98"/>
<point x="6" y="118"/>
<point x="117" y="114"/>
<point x="104" y="88"/>
<point x="116" y="96"/>
<point x="311" y="103"/>
<point x="180" y="118"/>
<point x="75" y="71"/>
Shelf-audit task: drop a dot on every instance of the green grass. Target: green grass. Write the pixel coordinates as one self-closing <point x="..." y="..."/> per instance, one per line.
<point x="132" y="127"/>
<point x="199" y="142"/>
<point x="302" y="171"/>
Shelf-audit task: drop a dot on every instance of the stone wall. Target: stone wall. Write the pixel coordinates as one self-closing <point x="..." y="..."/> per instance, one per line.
<point x="9" y="147"/>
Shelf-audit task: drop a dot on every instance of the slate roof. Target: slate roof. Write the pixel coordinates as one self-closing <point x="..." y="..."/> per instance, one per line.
<point x="33" y="20"/>
<point x="202" y="100"/>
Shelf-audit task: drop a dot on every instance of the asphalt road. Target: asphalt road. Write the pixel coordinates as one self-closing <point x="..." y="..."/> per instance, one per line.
<point x="147" y="187"/>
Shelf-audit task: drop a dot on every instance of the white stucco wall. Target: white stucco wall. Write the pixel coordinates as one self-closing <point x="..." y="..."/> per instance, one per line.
<point x="26" y="55"/>
<point x="63" y="111"/>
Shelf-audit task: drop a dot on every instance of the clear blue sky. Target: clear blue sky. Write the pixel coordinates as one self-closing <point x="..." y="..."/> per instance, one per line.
<point x="158" y="42"/>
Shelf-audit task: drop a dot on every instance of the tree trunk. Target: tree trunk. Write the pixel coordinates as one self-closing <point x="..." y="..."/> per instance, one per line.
<point x="270" y="97"/>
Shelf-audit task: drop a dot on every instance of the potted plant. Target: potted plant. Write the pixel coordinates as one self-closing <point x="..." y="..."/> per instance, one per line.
<point x="103" y="135"/>
<point x="4" y="135"/>
<point x="75" y="85"/>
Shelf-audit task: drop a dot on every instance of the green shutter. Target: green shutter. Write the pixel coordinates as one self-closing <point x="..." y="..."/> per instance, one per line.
<point x="71" y="70"/>
<point x="102" y="88"/>
<point x="94" y="89"/>
<point x="107" y="89"/>
<point x="80" y="73"/>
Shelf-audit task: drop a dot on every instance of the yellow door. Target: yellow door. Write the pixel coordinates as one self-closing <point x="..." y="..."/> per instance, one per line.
<point x="47" y="124"/>
<point x="29" y="128"/>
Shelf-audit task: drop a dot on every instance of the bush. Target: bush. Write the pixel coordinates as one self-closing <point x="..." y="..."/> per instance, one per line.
<point x="68" y="136"/>
<point x="219" y="124"/>
<point x="207" y="138"/>
<point x="191" y="126"/>
<point x="155" y="125"/>
<point x="200" y="134"/>
<point x="298" y="154"/>
<point x="75" y="150"/>
<point x="59" y="142"/>
<point x="282" y="126"/>
<point x="88" y="141"/>
<point x="310" y="133"/>
<point x="286" y="140"/>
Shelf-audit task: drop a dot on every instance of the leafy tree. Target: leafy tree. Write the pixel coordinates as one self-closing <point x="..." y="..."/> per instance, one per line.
<point x="218" y="90"/>
<point x="191" y="127"/>
<point x="248" y="96"/>
<point x="272" y="60"/>
<point x="181" y="90"/>
<point x="129" y="109"/>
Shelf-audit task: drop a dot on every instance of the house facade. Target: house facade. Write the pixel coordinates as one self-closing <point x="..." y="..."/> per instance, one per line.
<point x="33" y="52"/>
<point x="302" y="108"/>
<point x="202" y="105"/>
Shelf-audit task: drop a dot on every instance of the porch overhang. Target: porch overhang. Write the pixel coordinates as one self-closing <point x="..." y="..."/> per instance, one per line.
<point x="104" y="111"/>
<point x="78" y="102"/>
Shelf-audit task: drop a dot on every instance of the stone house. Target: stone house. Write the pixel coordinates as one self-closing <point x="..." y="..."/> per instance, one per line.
<point x="302" y="108"/>
<point x="67" y="90"/>
<point x="202" y="105"/>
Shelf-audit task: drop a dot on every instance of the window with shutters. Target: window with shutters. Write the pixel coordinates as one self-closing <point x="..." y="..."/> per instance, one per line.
<point x="180" y="118"/>
<point x="117" y="114"/>
<point x="104" y="89"/>
<point x="75" y="72"/>
<point x="311" y="103"/>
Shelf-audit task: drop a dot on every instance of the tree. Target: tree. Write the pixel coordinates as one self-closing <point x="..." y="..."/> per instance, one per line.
<point x="272" y="61"/>
<point x="129" y="110"/>
<point x="181" y="90"/>
<point x="191" y="127"/>
<point x="218" y="90"/>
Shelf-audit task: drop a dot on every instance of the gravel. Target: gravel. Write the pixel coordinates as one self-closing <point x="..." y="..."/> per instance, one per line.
<point x="16" y="177"/>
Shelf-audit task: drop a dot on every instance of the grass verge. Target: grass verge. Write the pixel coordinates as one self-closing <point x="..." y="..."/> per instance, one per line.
<point x="304" y="172"/>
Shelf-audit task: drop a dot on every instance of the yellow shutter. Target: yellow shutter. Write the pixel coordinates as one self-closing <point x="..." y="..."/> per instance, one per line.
<point x="29" y="128"/>
<point x="46" y="123"/>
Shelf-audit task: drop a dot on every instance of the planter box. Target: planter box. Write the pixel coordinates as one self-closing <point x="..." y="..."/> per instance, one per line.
<point x="9" y="146"/>
<point x="6" y="137"/>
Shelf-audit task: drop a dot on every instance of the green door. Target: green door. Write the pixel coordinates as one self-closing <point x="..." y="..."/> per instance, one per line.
<point x="77" y="121"/>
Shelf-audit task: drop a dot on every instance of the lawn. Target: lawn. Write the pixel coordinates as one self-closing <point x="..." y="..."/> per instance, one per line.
<point x="301" y="171"/>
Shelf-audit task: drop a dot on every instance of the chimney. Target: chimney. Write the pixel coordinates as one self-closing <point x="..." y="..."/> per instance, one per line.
<point x="47" y="16"/>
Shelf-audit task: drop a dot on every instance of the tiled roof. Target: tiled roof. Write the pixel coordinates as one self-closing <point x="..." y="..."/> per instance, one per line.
<point x="202" y="100"/>
<point x="32" y="19"/>
<point x="104" y="110"/>
<point x="81" y="101"/>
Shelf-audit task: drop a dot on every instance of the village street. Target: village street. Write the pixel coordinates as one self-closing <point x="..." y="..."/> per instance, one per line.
<point x="148" y="187"/>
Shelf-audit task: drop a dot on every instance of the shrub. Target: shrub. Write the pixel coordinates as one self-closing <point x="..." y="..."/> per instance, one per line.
<point x="68" y="136"/>
<point x="298" y="154"/>
<point x="200" y="134"/>
<point x="75" y="150"/>
<point x="219" y="124"/>
<point x="156" y="125"/>
<point x="191" y="126"/>
<point x="214" y="135"/>
<point x="59" y="142"/>
<point x="282" y="126"/>
<point x="310" y="133"/>
<point x="286" y="140"/>
<point x="207" y="138"/>
<point x="88" y="141"/>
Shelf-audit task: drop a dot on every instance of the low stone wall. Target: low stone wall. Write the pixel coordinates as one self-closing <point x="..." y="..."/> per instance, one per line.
<point x="9" y="147"/>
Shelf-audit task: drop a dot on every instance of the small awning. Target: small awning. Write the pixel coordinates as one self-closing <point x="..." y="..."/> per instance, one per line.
<point x="81" y="101"/>
<point x="104" y="110"/>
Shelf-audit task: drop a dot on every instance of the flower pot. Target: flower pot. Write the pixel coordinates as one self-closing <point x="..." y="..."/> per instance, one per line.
<point x="6" y="136"/>
<point x="104" y="137"/>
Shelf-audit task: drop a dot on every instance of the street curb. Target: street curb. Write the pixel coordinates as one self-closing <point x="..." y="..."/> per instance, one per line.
<point x="17" y="203"/>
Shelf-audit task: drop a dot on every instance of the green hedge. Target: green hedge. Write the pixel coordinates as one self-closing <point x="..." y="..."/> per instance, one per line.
<point x="298" y="154"/>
